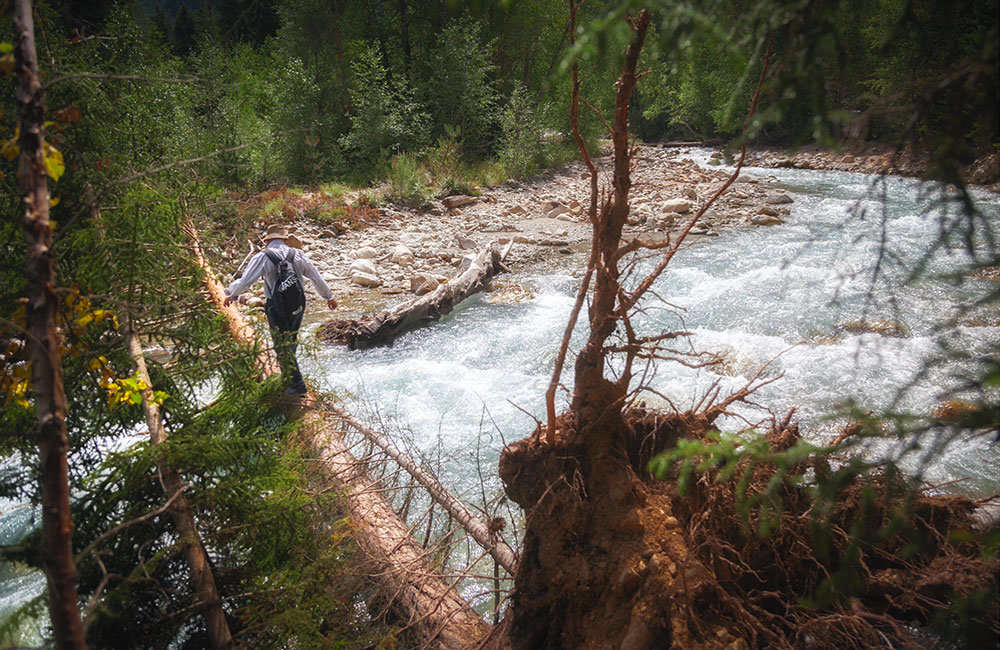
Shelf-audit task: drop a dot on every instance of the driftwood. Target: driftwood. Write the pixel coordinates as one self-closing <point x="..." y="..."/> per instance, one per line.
<point x="384" y="328"/>
<point x="425" y="603"/>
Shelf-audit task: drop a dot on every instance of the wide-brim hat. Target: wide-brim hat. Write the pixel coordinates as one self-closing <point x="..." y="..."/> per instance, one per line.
<point x="276" y="231"/>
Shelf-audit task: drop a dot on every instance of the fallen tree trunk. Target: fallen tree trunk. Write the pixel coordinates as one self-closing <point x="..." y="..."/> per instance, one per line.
<point x="479" y="531"/>
<point x="384" y="328"/>
<point x="428" y="606"/>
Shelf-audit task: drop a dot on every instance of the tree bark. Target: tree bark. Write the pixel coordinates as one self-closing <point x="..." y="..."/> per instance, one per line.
<point x="479" y="531"/>
<point x="438" y="615"/>
<point x="597" y="399"/>
<point x="43" y="342"/>
<point x="384" y="328"/>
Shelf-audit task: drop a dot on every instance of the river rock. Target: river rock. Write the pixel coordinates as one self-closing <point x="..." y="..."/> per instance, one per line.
<point x="402" y="255"/>
<point x="679" y="206"/>
<point x="778" y="198"/>
<point x="423" y="283"/>
<point x="552" y="209"/>
<point x="690" y="193"/>
<point x="766" y="220"/>
<point x="254" y="301"/>
<point x="363" y="265"/>
<point x="515" y="210"/>
<point x="768" y="210"/>
<point x="465" y="243"/>
<point x="365" y="279"/>
<point x="365" y="253"/>
<point x="457" y="201"/>
<point x="661" y="221"/>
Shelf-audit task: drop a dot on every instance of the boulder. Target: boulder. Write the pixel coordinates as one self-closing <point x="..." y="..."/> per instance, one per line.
<point x="363" y="265"/>
<point x="552" y="209"/>
<point x="679" y="206"/>
<point x="366" y="253"/>
<point x="465" y="243"/>
<point x="365" y="279"/>
<point x="402" y="255"/>
<point x="766" y="220"/>
<point x="457" y="201"/>
<point x="423" y="283"/>
<point x="661" y="222"/>
<point x="466" y="262"/>
<point x="768" y="210"/>
<point x="778" y="198"/>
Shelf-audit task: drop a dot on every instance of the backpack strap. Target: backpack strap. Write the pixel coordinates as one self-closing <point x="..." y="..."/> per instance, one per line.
<point x="275" y="258"/>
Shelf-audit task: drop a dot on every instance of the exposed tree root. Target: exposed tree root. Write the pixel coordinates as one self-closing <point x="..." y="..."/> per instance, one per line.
<point x="613" y="558"/>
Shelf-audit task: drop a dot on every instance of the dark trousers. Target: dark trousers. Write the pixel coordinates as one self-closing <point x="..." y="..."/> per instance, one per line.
<point x="285" y="334"/>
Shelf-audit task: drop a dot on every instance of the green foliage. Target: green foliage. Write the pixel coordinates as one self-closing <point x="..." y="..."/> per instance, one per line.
<point x="407" y="181"/>
<point x="738" y="458"/>
<point x="387" y="119"/>
<point x="459" y="88"/>
<point x="519" y="149"/>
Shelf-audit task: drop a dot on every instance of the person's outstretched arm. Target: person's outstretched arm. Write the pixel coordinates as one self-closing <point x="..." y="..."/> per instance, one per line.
<point x="253" y="271"/>
<point x="322" y="288"/>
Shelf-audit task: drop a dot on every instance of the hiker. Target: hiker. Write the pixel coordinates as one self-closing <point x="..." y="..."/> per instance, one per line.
<point x="285" y="303"/>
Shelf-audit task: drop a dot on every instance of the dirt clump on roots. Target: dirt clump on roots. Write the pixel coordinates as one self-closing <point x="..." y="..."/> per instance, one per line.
<point x="613" y="558"/>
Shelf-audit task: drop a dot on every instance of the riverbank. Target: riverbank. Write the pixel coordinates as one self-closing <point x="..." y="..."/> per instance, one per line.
<point x="407" y="251"/>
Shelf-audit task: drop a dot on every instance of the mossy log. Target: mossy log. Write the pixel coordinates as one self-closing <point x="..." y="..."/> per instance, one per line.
<point x="384" y="328"/>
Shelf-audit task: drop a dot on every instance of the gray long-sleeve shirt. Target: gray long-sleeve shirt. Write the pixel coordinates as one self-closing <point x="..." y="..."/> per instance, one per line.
<point x="258" y="265"/>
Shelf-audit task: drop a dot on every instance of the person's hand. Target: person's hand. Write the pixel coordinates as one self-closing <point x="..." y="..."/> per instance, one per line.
<point x="331" y="303"/>
<point x="228" y="301"/>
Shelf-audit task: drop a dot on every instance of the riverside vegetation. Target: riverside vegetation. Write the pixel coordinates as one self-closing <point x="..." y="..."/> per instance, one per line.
<point x="425" y="126"/>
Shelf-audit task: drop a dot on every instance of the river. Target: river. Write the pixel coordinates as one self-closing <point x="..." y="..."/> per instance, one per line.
<point x="790" y="295"/>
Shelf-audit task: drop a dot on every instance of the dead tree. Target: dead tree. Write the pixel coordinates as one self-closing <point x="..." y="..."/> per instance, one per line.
<point x="386" y="327"/>
<point x="43" y="341"/>
<point x="590" y="524"/>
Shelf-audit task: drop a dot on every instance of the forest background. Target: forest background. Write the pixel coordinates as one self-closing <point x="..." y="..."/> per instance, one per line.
<point x="165" y="114"/>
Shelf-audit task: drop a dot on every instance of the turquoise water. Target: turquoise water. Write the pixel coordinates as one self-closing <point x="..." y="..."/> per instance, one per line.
<point x="778" y="295"/>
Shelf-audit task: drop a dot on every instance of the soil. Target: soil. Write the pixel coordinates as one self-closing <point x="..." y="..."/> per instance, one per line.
<point x="615" y="559"/>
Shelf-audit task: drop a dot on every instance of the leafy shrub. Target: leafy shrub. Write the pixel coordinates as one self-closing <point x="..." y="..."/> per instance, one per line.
<point x="407" y="181"/>
<point x="519" y="150"/>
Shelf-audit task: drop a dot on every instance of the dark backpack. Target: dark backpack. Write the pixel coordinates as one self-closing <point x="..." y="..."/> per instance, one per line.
<point x="289" y="296"/>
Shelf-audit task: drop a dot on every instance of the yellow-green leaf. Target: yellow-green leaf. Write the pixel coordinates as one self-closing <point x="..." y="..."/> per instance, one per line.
<point x="54" y="162"/>
<point x="6" y="48"/>
<point x="10" y="148"/>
